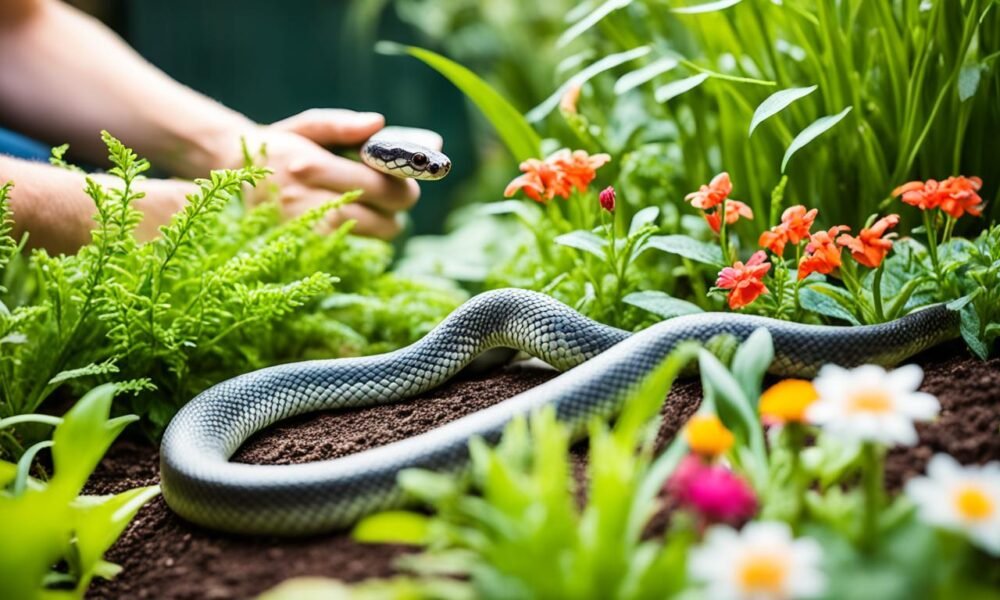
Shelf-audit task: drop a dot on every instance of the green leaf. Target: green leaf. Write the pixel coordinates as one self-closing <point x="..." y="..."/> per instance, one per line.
<point x="583" y="240"/>
<point x="968" y="81"/>
<point x="969" y="326"/>
<point x="661" y="304"/>
<point x="688" y="247"/>
<point x="706" y="7"/>
<point x="633" y="79"/>
<point x="393" y="527"/>
<point x="813" y="131"/>
<point x="520" y="139"/>
<point x="98" y="521"/>
<point x="105" y="368"/>
<point x="751" y="361"/>
<point x="667" y="92"/>
<point x="605" y="64"/>
<point x="593" y="18"/>
<point x="776" y="103"/>
<point x="427" y="486"/>
<point x="822" y="300"/>
<point x="642" y="218"/>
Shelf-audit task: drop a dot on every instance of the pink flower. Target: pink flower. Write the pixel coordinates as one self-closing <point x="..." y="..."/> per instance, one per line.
<point x="607" y="198"/>
<point x="714" y="492"/>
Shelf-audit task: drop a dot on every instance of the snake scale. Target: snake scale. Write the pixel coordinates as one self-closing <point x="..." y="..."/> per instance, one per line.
<point x="602" y="365"/>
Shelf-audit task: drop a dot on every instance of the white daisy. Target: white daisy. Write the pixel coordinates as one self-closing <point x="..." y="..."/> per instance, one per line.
<point x="965" y="499"/>
<point x="760" y="562"/>
<point x="872" y="405"/>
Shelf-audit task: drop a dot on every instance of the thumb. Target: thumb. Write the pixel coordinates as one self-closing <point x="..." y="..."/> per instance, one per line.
<point x="333" y="126"/>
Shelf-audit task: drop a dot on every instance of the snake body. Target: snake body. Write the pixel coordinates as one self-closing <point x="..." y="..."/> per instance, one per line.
<point x="603" y="365"/>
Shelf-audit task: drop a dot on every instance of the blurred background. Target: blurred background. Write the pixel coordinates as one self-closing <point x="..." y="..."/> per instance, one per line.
<point x="270" y="60"/>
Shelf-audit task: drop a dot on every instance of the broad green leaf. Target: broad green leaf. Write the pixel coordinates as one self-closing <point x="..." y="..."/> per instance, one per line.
<point x="706" y="7"/>
<point x="396" y="527"/>
<point x="98" y="521"/>
<point x="520" y="139"/>
<point x="776" y="103"/>
<point x="819" y="299"/>
<point x="968" y="81"/>
<point x="667" y="92"/>
<point x="688" y="247"/>
<point x="661" y="304"/>
<point x="590" y="20"/>
<point x="751" y="361"/>
<point x="969" y="325"/>
<point x="642" y="218"/>
<point x="583" y="240"/>
<point x="813" y="131"/>
<point x="633" y="79"/>
<point x="608" y="62"/>
<point x="427" y="486"/>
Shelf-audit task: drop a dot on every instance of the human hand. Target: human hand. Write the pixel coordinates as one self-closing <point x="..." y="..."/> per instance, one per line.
<point x="307" y="175"/>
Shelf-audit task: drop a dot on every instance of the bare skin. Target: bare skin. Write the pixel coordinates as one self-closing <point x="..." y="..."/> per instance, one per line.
<point x="64" y="77"/>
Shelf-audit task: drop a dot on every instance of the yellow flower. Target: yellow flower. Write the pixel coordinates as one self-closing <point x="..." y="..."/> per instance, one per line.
<point x="706" y="435"/>
<point x="787" y="401"/>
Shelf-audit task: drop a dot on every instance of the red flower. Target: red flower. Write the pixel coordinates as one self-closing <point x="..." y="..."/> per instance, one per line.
<point x="711" y="195"/>
<point x="578" y="167"/>
<point x="557" y="175"/>
<point x="745" y="282"/>
<point x="540" y="181"/>
<point x="734" y="210"/>
<point x="872" y="244"/>
<point x="822" y="252"/>
<point x="955" y="195"/>
<point x="794" y="227"/>
<point x="607" y="199"/>
<point x="961" y="196"/>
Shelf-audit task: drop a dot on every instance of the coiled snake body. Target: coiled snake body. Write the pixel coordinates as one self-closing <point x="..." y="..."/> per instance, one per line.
<point x="604" y="365"/>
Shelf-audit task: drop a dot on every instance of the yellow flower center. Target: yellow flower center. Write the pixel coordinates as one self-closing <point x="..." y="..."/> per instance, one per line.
<point x="706" y="435"/>
<point x="973" y="504"/>
<point x="873" y="401"/>
<point x="763" y="574"/>
<point x="787" y="401"/>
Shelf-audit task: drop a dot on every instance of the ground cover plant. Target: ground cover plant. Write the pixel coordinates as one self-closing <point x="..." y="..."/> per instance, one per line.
<point x="800" y="514"/>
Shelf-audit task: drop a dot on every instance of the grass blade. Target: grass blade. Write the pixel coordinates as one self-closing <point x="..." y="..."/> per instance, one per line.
<point x="813" y="131"/>
<point x="705" y="8"/>
<point x="776" y="103"/>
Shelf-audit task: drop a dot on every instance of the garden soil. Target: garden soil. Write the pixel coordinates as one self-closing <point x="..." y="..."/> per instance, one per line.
<point x="166" y="558"/>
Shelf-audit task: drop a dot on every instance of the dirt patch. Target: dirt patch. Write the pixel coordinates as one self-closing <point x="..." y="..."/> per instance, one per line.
<point x="165" y="557"/>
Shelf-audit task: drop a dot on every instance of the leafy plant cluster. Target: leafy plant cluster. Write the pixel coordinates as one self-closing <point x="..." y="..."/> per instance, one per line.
<point x="516" y="526"/>
<point x="223" y="290"/>
<point x="825" y="104"/>
<point x="53" y="540"/>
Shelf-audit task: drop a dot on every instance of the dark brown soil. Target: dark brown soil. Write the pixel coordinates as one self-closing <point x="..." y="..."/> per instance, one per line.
<point x="165" y="557"/>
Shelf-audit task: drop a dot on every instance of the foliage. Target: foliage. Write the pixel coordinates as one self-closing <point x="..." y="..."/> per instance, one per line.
<point x="224" y="289"/>
<point x="53" y="539"/>
<point x="516" y="527"/>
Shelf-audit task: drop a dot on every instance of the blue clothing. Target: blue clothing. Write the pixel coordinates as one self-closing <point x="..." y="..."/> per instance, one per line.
<point x="19" y="146"/>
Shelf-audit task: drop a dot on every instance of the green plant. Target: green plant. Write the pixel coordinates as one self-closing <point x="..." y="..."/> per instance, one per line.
<point x="225" y="289"/>
<point x="53" y="538"/>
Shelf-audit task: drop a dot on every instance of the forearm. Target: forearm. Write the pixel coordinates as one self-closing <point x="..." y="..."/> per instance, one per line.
<point x="50" y="203"/>
<point x="64" y="77"/>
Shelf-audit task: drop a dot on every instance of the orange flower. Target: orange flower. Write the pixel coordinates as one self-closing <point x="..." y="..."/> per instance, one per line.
<point x="745" y="282"/>
<point x="706" y="435"/>
<point x="961" y="196"/>
<point x="955" y="195"/>
<point x="794" y="227"/>
<point x="734" y="210"/>
<point x="822" y="252"/>
<point x="787" y="401"/>
<point x="578" y="167"/>
<point x="540" y="181"/>
<point x="711" y="195"/>
<point x="872" y="244"/>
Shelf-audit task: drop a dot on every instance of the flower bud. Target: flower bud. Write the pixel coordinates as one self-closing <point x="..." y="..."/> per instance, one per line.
<point x="608" y="199"/>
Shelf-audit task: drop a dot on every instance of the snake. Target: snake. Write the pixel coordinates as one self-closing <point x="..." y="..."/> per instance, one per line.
<point x="601" y="366"/>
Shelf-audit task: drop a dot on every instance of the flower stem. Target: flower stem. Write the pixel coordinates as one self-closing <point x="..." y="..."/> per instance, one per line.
<point x="871" y="481"/>
<point x="724" y="234"/>
<point x="932" y="247"/>
<point x="877" y="292"/>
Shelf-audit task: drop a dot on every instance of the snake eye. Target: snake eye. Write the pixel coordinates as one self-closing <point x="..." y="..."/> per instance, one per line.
<point x="419" y="160"/>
